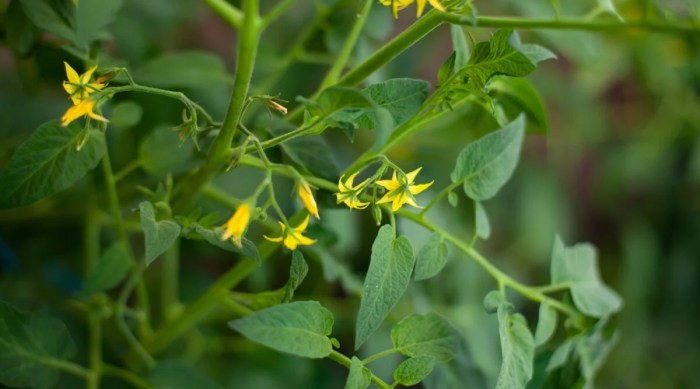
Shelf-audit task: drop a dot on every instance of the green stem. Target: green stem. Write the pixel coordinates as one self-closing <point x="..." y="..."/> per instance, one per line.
<point x="126" y="170"/>
<point x="276" y="12"/>
<point x="347" y="362"/>
<point x="348" y="47"/>
<point x="379" y="355"/>
<point x="95" y="353"/>
<point x="68" y="367"/>
<point x="553" y="288"/>
<point x="232" y="15"/>
<point x="439" y="196"/>
<point x="91" y="234"/>
<point x="126" y="375"/>
<point x="113" y="197"/>
<point x="170" y="271"/>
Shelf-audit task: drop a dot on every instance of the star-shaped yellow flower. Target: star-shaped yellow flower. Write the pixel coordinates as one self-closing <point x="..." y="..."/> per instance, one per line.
<point x="401" y="190"/>
<point x="237" y="224"/>
<point x="293" y="238"/>
<point x="79" y="87"/>
<point x="397" y="5"/>
<point x="349" y="194"/>
<point x="84" y="108"/>
<point x="307" y="198"/>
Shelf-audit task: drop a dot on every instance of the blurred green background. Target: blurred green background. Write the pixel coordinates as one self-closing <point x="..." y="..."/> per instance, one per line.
<point x="619" y="167"/>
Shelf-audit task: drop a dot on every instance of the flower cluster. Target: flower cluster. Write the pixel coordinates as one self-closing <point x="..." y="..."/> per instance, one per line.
<point x="397" y="5"/>
<point x="79" y="89"/>
<point x="400" y="190"/>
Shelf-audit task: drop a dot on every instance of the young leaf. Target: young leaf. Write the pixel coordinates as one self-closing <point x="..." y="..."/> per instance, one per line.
<point x="30" y="345"/>
<point x="414" y="370"/>
<point x="493" y="300"/>
<point x="431" y="258"/>
<point x="46" y="18"/>
<point x="459" y="45"/>
<point x="593" y="349"/>
<point x="387" y="278"/>
<point x="188" y="69"/>
<point x="481" y="221"/>
<point x="297" y="273"/>
<point x="48" y="162"/>
<point x="310" y="152"/>
<point x="248" y="249"/>
<point x="516" y="95"/>
<point x="179" y="375"/>
<point x="91" y="17"/>
<point x="486" y="164"/>
<point x="428" y="335"/>
<point x="536" y="53"/>
<point x="561" y="354"/>
<point x="578" y="266"/>
<point x="546" y="324"/>
<point x="340" y="107"/>
<point x="447" y="69"/>
<point x="517" y="349"/>
<point x="109" y="270"/>
<point x="402" y="97"/>
<point x="159" y="235"/>
<point x="360" y="377"/>
<point x="300" y="328"/>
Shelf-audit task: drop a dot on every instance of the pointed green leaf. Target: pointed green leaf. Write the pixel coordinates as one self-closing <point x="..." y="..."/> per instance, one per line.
<point x="299" y="328"/>
<point x="459" y="45"/>
<point x="109" y="271"/>
<point x="561" y="354"/>
<point x="387" y="278"/>
<point x="46" y="18"/>
<point x="431" y="258"/>
<point x="493" y="300"/>
<point x="452" y="198"/>
<point x="546" y="324"/>
<point x="517" y="349"/>
<point x="159" y="235"/>
<point x="48" y="162"/>
<point x="91" y="18"/>
<point x="481" y="222"/>
<point x="428" y="335"/>
<point x="486" y="164"/>
<point x="578" y="266"/>
<point x="187" y="69"/>
<point x="360" y="377"/>
<point x="402" y="97"/>
<point x="260" y="300"/>
<point x="516" y="95"/>
<point x="447" y="69"/>
<point x="248" y="249"/>
<point x="30" y="345"/>
<point x="592" y="350"/>
<point x="310" y="152"/>
<point x="536" y="53"/>
<point x="179" y="375"/>
<point x="414" y="370"/>
<point x="297" y="273"/>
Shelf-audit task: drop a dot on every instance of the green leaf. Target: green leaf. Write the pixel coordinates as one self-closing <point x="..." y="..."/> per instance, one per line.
<point x="91" y="18"/>
<point x="536" y="53"/>
<point x="30" y="345"/>
<point x="126" y="114"/>
<point x="260" y="300"/>
<point x="297" y="273"/>
<point x="161" y="152"/>
<point x="447" y="69"/>
<point x="300" y="328"/>
<point x="488" y="163"/>
<point x="578" y="266"/>
<point x="459" y="45"/>
<point x="608" y="7"/>
<point x="402" y="97"/>
<point x="546" y="323"/>
<point x="427" y="335"/>
<point x="248" y="249"/>
<point x="593" y="348"/>
<point x="516" y="95"/>
<point x="360" y="377"/>
<point x="187" y="69"/>
<point x="48" y="162"/>
<point x="431" y="258"/>
<point x="310" y="152"/>
<point x="47" y="19"/>
<point x="517" y="349"/>
<point x="109" y="271"/>
<point x="481" y="221"/>
<point x="497" y="57"/>
<point x="414" y="370"/>
<point x="179" y="375"/>
<point x="340" y="107"/>
<point x="20" y="33"/>
<point x="493" y="300"/>
<point x="561" y="354"/>
<point x="159" y="235"/>
<point x="387" y="278"/>
<point x="452" y="198"/>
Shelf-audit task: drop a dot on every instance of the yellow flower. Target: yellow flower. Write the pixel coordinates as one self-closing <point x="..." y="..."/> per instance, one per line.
<point x="307" y="198"/>
<point x="79" y="87"/>
<point x="397" y="5"/>
<point x="237" y="224"/>
<point x="293" y="238"/>
<point x="401" y="191"/>
<point x="83" y="108"/>
<point x="349" y="194"/>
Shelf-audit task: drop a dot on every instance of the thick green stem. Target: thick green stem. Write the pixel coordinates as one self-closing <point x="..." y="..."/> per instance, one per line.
<point x="232" y="15"/>
<point x="170" y="273"/>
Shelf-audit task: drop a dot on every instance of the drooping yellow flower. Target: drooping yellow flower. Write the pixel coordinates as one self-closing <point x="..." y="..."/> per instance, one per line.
<point x="349" y="194"/>
<point x="293" y="238"/>
<point x="79" y="87"/>
<point x="400" y="190"/>
<point x="397" y="5"/>
<point x="84" y="108"/>
<point x="237" y="224"/>
<point x="307" y="198"/>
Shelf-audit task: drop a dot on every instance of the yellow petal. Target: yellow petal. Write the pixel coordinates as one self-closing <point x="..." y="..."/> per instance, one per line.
<point x="388" y="197"/>
<point x="85" y="77"/>
<point x="307" y="198"/>
<point x="399" y="200"/>
<point x="412" y="202"/>
<point x="302" y="227"/>
<point x="237" y="224"/>
<point x="436" y="4"/>
<point x="290" y="242"/>
<point x="71" y="74"/>
<point x="388" y="184"/>
<point x="410" y="177"/>
<point x="415" y="189"/>
<point x="277" y="239"/>
<point x="420" y="6"/>
<point x="73" y="113"/>
<point x="96" y="116"/>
